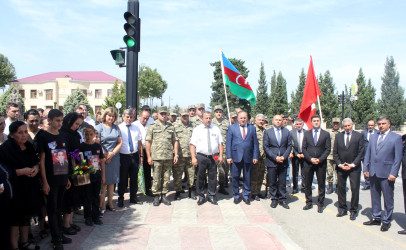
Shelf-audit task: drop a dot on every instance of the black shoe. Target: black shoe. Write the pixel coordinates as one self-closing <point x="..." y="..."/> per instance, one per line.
<point x="385" y="227"/>
<point x="200" y="201"/>
<point x="284" y="204"/>
<point x="366" y="188"/>
<point x="247" y="201"/>
<point x="135" y="201"/>
<point x="353" y="215"/>
<point x="120" y="203"/>
<point x="222" y="190"/>
<point x="262" y="196"/>
<point x="402" y="232"/>
<point x="372" y="223"/>
<point x="236" y="200"/>
<point x="57" y="246"/>
<point x="165" y="200"/>
<point x="268" y="196"/>
<point x="156" y="200"/>
<point x="149" y="193"/>
<point x="342" y="213"/>
<point x="329" y="189"/>
<point x="89" y="222"/>
<point x="192" y="195"/>
<point x="76" y="227"/>
<point x="295" y="191"/>
<point x="308" y="206"/>
<point x="303" y="190"/>
<point x="320" y="209"/>
<point x="177" y="195"/>
<point x="212" y="200"/>
<point x="65" y="240"/>
<point x="256" y="197"/>
<point x="69" y="231"/>
<point x="274" y="203"/>
<point x="98" y="221"/>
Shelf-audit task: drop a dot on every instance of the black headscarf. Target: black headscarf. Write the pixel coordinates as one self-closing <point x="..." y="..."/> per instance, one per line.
<point x="72" y="135"/>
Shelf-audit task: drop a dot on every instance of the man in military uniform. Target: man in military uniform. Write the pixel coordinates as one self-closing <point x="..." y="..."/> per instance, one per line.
<point x="233" y="116"/>
<point x="183" y="130"/>
<point x="173" y="116"/>
<point x="222" y="123"/>
<point x="160" y="144"/>
<point x="197" y="120"/>
<point x="258" y="170"/>
<point x="331" y="165"/>
<point x="192" y="111"/>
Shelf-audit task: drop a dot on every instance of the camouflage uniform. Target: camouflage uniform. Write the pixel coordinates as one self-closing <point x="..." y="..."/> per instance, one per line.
<point x="331" y="165"/>
<point x="195" y="120"/>
<point x="161" y="137"/>
<point x="258" y="170"/>
<point x="183" y="133"/>
<point x="223" y="126"/>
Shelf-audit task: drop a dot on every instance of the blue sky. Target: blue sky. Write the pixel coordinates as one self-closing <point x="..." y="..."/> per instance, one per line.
<point x="182" y="37"/>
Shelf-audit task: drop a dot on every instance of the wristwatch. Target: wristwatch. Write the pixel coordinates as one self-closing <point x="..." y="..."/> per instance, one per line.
<point x="177" y="156"/>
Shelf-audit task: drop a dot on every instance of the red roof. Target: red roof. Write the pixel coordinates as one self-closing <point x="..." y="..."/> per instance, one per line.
<point x="91" y="76"/>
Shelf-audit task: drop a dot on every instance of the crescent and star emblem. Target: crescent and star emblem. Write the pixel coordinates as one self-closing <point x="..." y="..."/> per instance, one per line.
<point x="236" y="80"/>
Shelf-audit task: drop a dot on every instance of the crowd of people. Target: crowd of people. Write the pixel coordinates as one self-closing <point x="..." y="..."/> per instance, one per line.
<point x="42" y="158"/>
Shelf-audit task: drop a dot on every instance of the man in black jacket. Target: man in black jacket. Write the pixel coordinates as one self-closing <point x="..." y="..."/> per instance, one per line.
<point x="348" y="153"/>
<point x="404" y="177"/>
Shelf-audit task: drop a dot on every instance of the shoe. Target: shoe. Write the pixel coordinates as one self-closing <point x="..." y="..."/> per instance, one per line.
<point x="110" y="208"/>
<point x="212" y="200"/>
<point x="247" y="201"/>
<point x="69" y="231"/>
<point x="200" y="201"/>
<point x="89" y="222"/>
<point x="192" y="195"/>
<point x="295" y="191"/>
<point x="177" y="196"/>
<point x="65" y="240"/>
<point x="353" y="215"/>
<point x="135" y="201"/>
<point x="342" y="213"/>
<point x="256" y="197"/>
<point x="101" y="214"/>
<point x="366" y="188"/>
<point x="372" y="223"/>
<point x="57" y="246"/>
<point x="156" y="201"/>
<point x="98" y="222"/>
<point x="76" y="227"/>
<point x="222" y="190"/>
<point x="262" y="196"/>
<point x="320" y="209"/>
<point x="274" y="203"/>
<point x="120" y="203"/>
<point x="236" y="200"/>
<point x="308" y="206"/>
<point x="402" y="232"/>
<point x="385" y="227"/>
<point x="165" y="200"/>
<point x="329" y="188"/>
<point x="284" y="204"/>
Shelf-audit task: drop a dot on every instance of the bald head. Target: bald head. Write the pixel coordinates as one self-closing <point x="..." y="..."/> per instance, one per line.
<point x="277" y="121"/>
<point x="144" y="117"/>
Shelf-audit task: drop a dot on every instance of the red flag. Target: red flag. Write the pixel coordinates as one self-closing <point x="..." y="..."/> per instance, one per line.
<point x="310" y="93"/>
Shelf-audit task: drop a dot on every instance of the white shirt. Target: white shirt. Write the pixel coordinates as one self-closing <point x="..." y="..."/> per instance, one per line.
<point x="300" y="138"/>
<point x="199" y="139"/>
<point x="90" y="121"/>
<point x="370" y="133"/>
<point x="6" y="129"/>
<point x="135" y="136"/>
<point x="143" y="130"/>
<point x="245" y="129"/>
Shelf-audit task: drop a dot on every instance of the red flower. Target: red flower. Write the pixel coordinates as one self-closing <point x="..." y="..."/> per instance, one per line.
<point x="216" y="158"/>
<point x="85" y="167"/>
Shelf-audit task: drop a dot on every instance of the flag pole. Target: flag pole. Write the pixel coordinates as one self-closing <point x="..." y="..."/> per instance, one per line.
<point x="224" y="84"/>
<point x="321" y="116"/>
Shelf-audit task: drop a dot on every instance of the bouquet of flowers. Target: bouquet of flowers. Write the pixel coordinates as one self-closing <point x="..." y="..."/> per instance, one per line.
<point x="82" y="170"/>
<point x="219" y="164"/>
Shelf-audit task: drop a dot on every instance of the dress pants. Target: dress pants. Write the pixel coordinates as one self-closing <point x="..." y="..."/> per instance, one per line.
<point x="404" y="192"/>
<point x="54" y="211"/>
<point x="92" y="199"/>
<point x="128" y="168"/>
<point x="382" y="186"/>
<point x="320" y="170"/>
<point x="277" y="182"/>
<point x="147" y="172"/>
<point x="297" y="164"/>
<point x="206" y="163"/>
<point x="246" y="168"/>
<point x="355" y="179"/>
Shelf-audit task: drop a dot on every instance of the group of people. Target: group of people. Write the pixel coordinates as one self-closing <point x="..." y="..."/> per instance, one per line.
<point x="38" y="161"/>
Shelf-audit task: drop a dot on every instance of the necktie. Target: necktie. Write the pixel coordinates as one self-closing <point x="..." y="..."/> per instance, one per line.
<point x="380" y="139"/>
<point x="299" y="141"/>
<point x="278" y="136"/>
<point x="130" y="140"/>
<point x="243" y="132"/>
<point x="347" y="141"/>
<point x="209" y="141"/>
<point x="315" y="136"/>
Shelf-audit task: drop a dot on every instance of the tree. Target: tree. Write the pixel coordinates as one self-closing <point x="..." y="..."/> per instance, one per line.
<point x="151" y="84"/>
<point x="272" y="95"/>
<point x="117" y="95"/>
<point x="363" y="109"/>
<point x="279" y="96"/>
<point x="7" y="71"/>
<point x="261" y="106"/>
<point x="217" y="95"/>
<point x="297" y="96"/>
<point x="5" y="98"/>
<point x="328" y="99"/>
<point x="392" y="102"/>
<point x="73" y="100"/>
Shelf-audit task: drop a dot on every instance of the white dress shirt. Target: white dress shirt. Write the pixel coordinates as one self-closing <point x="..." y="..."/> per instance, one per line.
<point x="135" y="136"/>
<point x="245" y="128"/>
<point x="199" y="139"/>
<point x="370" y="133"/>
<point x="143" y="130"/>
<point x="6" y="129"/>
<point x="90" y="121"/>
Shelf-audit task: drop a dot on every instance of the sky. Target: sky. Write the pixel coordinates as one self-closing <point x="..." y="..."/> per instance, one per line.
<point x="180" y="38"/>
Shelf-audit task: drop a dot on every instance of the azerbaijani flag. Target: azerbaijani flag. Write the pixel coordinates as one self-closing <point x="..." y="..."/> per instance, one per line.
<point x="236" y="82"/>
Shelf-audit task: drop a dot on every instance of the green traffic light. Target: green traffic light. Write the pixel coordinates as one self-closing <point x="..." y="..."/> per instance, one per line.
<point x="130" y="42"/>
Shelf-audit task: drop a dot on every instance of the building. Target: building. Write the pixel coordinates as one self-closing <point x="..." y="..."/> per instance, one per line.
<point x="50" y="90"/>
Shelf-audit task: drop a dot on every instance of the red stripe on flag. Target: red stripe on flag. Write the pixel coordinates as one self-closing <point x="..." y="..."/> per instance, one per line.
<point x="232" y="75"/>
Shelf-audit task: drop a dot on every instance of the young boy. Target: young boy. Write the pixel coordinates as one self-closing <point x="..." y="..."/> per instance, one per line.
<point x="93" y="153"/>
<point x="52" y="145"/>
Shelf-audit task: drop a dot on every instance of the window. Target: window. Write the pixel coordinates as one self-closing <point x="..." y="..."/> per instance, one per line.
<point x="49" y="94"/>
<point x="61" y="108"/>
<point x="97" y="109"/>
<point x="22" y="93"/>
<point x="33" y="93"/>
<point x="97" y="93"/>
<point x="109" y="92"/>
<point x="33" y="107"/>
<point x="84" y="91"/>
<point x="49" y="107"/>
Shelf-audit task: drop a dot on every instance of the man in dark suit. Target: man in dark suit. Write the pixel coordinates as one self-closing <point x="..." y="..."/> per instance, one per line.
<point x="381" y="165"/>
<point x="316" y="147"/>
<point x="277" y="147"/>
<point x="367" y="135"/>
<point x="242" y="153"/>
<point x="297" y="155"/>
<point x="348" y="153"/>
<point x="404" y="178"/>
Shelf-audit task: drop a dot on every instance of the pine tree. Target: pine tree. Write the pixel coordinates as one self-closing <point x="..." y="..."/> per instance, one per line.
<point x="297" y="96"/>
<point x="5" y="98"/>
<point x="272" y="96"/>
<point x="261" y="106"/>
<point x="363" y="109"/>
<point x="117" y="95"/>
<point x="392" y="101"/>
<point x="73" y="100"/>
<point x="328" y="99"/>
<point x="279" y="97"/>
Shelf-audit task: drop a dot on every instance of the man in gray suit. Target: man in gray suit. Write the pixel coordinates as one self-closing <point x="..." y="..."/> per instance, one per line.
<point x="367" y="135"/>
<point x="297" y="155"/>
<point x="381" y="165"/>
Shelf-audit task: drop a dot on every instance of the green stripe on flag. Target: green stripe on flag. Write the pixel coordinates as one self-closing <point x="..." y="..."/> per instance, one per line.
<point x="241" y="91"/>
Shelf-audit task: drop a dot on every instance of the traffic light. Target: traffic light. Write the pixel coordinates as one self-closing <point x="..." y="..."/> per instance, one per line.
<point x="118" y="56"/>
<point x="132" y="28"/>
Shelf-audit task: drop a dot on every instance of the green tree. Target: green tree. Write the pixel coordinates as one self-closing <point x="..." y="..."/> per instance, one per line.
<point x="328" y="99"/>
<point x="392" y="101"/>
<point x="77" y="97"/>
<point x="272" y="96"/>
<point x="217" y="95"/>
<point x="5" y="98"/>
<point x="297" y="96"/>
<point x="7" y="71"/>
<point x="261" y="106"/>
<point x="279" y="96"/>
<point x="117" y="95"/>
<point x="151" y="84"/>
<point x="363" y="109"/>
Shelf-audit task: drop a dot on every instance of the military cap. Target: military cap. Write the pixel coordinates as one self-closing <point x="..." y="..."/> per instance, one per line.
<point x="233" y="114"/>
<point x="172" y="112"/>
<point x="184" y="112"/>
<point x="336" y="119"/>
<point x="200" y="105"/>
<point x="163" y="109"/>
<point x="217" y="107"/>
<point x="191" y="107"/>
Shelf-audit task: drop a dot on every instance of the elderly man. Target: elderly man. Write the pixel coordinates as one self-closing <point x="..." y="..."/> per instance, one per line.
<point x="258" y="170"/>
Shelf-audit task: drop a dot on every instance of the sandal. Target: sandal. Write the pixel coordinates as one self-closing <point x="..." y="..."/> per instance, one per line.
<point x="43" y="234"/>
